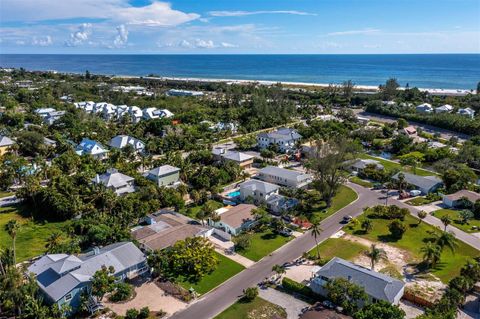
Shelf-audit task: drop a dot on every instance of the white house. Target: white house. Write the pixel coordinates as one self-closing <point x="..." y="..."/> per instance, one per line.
<point x="284" y="177"/>
<point x="259" y="191"/>
<point x="284" y="138"/>
<point x="174" y="92"/>
<point x="116" y="181"/>
<point x="468" y="112"/>
<point x="424" y="108"/>
<point x="377" y="285"/>
<point x="90" y="147"/>
<point x="121" y="141"/>
<point x="446" y="108"/>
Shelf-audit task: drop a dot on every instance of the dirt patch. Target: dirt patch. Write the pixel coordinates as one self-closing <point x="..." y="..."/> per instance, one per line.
<point x="400" y="264"/>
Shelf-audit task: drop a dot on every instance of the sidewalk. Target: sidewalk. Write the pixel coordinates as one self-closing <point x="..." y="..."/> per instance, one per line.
<point x="236" y="257"/>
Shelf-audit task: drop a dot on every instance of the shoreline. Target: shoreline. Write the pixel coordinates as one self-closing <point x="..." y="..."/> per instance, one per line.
<point x="434" y="91"/>
<point x="299" y="85"/>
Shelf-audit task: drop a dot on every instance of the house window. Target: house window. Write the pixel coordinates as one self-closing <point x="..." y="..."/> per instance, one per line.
<point x="68" y="297"/>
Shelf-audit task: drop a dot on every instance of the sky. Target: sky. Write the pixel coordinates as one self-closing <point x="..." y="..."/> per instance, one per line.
<point x="239" y="26"/>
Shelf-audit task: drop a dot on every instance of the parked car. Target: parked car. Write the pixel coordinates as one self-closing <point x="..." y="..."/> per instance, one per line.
<point x="415" y="192"/>
<point x="287" y="232"/>
<point x="328" y="304"/>
<point x="347" y="219"/>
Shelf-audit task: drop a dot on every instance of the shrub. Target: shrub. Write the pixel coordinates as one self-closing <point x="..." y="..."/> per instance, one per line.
<point x="131" y="314"/>
<point x="242" y="241"/>
<point x="295" y="287"/>
<point x="123" y="291"/>
<point x="144" y="313"/>
<point x="250" y="293"/>
<point x="397" y="229"/>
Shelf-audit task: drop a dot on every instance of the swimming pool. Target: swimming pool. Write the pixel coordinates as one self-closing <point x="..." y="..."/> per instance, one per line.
<point x="233" y="194"/>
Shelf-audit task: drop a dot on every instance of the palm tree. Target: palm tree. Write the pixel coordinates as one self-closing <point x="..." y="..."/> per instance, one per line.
<point x="279" y="270"/>
<point x="421" y="216"/>
<point x="431" y="253"/>
<point x="375" y="254"/>
<point x="316" y="231"/>
<point x="53" y="242"/>
<point x="446" y="220"/>
<point x="12" y="228"/>
<point x="446" y="239"/>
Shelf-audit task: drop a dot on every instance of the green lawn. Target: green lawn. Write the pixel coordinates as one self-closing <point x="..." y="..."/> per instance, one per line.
<point x="418" y="201"/>
<point x="31" y="237"/>
<point x="345" y="196"/>
<point x="226" y="269"/>
<point x="391" y="165"/>
<point x="5" y="194"/>
<point x="361" y="182"/>
<point x="192" y="211"/>
<point x="263" y="243"/>
<point x="412" y="241"/>
<point x="338" y="247"/>
<point x="457" y="221"/>
<point x="258" y="308"/>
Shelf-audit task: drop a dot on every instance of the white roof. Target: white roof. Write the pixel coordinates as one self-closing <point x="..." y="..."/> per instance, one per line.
<point x="5" y="141"/>
<point x="163" y="170"/>
<point x="121" y="141"/>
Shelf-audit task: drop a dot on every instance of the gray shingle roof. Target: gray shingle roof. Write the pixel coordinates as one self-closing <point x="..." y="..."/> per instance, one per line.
<point x="263" y="187"/>
<point x="78" y="270"/>
<point x="112" y="178"/>
<point x="282" y="134"/>
<point x="5" y="141"/>
<point x="163" y="170"/>
<point x="425" y="182"/>
<point x="363" y="163"/>
<point x="377" y="285"/>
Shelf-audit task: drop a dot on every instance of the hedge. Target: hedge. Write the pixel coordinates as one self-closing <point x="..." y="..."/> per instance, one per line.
<point x="295" y="287"/>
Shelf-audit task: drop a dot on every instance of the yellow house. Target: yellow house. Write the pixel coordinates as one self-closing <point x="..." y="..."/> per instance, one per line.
<point x="5" y="144"/>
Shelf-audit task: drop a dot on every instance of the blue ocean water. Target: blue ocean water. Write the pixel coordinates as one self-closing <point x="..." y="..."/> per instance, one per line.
<point x="447" y="71"/>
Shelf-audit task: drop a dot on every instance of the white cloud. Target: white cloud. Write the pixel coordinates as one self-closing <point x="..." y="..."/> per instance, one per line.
<point x="372" y="46"/>
<point x="80" y="36"/>
<point x="248" y="13"/>
<point x="42" y="41"/>
<point x="122" y="36"/>
<point x="197" y="44"/>
<point x="228" y="45"/>
<point x="366" y="31"/>
<point x="156" y="14"/>
<point x="20" y="42"/>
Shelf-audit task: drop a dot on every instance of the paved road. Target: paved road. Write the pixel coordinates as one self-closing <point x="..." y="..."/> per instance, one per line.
<point x="214" y="302"/>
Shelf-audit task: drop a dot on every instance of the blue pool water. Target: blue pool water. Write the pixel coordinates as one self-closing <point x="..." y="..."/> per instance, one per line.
<point x="233" y="194"/>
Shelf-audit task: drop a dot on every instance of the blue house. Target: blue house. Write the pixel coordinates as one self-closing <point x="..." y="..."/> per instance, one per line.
<point x="62" y="278"/>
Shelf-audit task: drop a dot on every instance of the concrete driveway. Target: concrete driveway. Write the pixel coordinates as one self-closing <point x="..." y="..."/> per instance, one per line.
<point x="292" y="305"/>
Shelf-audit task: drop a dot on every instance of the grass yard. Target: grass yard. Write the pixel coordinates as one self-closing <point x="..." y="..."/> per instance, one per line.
<point x="338" y="247"/>
<point x="345" y="196"/>
<point x="419" y="201"/>
<point x="361" y="182"/>
<point x="258" y="308"/>
<point x="226" y="269"/>
<point x="391" y="165"/>
<point x="31" y="237"/>
<point x="457" y="221"/>
<point x="192" y="211"/>
<point x="5" y="194"/>
<point x="262" y="244"/>
<point x="412" y="241"/>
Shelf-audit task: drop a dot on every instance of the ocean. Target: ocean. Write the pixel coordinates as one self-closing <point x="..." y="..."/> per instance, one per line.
<point x="442" y="71"/>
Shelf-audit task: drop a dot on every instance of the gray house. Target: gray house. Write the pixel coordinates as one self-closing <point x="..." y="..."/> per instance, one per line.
<point x="284" y="177"/>
<point x="235" y="220"/>
<point x="117" y="182"/>
<point x="284" y="138"/>
<point x="360" y="165"/>
<point x="62" y="278"/>
<point x="121" y="141"/>
<point x="425" y="184"/>
<point x="377" y="286"/>
<point x="165" y="175"/>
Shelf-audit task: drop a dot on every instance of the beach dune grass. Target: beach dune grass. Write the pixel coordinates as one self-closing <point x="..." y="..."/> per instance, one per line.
<point x="413" y="240"/>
